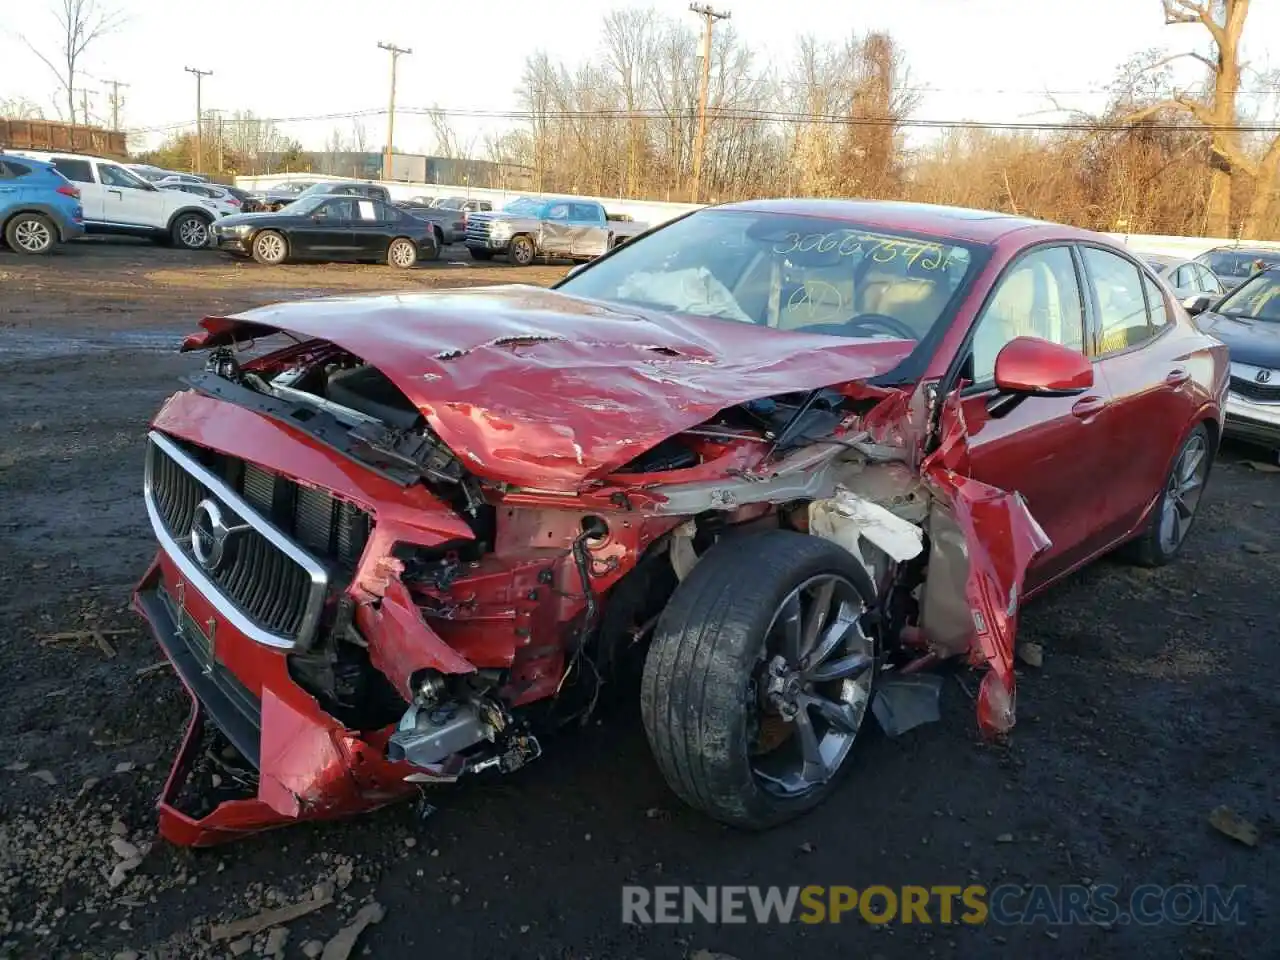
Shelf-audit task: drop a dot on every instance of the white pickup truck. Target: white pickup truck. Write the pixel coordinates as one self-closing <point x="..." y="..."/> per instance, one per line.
<point x="568" y="228"/>
<point x="117" y="200"/>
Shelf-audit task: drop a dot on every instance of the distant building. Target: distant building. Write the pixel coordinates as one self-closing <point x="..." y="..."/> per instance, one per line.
<point x="414" y="168"/>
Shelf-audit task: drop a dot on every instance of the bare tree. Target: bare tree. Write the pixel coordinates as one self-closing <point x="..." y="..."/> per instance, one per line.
<point x="448" y="145"/>
<point x="80" y="24"/>
<point x="359" y="137"/>
<point x="20" y="108"/>
<point x="1218" y="111"/>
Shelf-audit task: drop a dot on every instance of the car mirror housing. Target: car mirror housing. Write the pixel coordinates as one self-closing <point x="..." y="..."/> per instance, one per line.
<point x="1030" y="366"/>
<point x="1197" y="304"/>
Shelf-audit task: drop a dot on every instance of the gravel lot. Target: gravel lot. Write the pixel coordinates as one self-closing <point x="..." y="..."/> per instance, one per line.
<point x="1156" y="703"/>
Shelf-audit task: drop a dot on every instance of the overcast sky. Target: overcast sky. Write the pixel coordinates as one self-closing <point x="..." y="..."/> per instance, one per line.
<point x="988" y="60"/>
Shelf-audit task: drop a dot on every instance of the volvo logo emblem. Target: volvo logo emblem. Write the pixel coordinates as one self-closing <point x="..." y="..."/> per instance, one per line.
<point x="210" y="535"/>
<point x="1264" y="376"/>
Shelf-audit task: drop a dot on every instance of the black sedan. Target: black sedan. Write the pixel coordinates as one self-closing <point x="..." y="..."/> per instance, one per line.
<point x="329" y="228"/>
<point x="1247" y="320"/>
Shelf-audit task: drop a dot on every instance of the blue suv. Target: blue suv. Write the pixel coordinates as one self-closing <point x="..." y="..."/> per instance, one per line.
<point x="39" y="207"/>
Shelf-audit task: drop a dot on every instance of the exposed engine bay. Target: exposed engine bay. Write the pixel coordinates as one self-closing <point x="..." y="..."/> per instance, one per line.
<point x="466" y="630"/>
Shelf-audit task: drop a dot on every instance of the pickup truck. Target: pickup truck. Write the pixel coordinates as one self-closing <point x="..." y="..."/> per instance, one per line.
<point x="561" y="227"/>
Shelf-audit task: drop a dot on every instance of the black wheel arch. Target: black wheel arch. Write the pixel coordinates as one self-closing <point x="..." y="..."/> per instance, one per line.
<point x="38" y="208"/>
<point x="207" y="216"/>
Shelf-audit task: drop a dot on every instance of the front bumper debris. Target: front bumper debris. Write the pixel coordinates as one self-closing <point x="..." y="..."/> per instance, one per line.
<point x="309" y="767"/>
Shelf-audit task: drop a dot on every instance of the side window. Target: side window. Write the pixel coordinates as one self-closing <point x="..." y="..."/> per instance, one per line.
<point x="1155" y="302"/>
<point x="1122" y="308"/>
<point x="1208" y="282"/>
<point x="9" y="169"/>
<point x="587" y="213"/>
<point x="114" y="177"/>
<point x="77" y="171"/>
<point x="1183" y="278"/>
<point x="558" y="211"/>
<point x="342" y="208"/>
<point x="1038" y="297"/>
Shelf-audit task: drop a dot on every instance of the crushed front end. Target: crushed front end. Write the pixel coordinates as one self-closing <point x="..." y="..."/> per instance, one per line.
<point x="391" y="557"/>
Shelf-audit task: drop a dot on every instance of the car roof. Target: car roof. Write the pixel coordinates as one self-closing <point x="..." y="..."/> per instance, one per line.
<point x="1245" y="250"/>
<point x="957" y="223"/>
<point x="1161" y="259"/>
<point x="21" y="157"/>
<point x="49" y="155"/>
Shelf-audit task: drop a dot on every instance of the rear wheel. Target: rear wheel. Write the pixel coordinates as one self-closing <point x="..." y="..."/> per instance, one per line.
<point x="522" y="250"/>
<point x="1179" y="502"/>
<point x="402" y="253"/>
<point x="31" y="233"/>
<point x="270" y="248"/>
<point x="760" y="676"/>
<point x="191" y="231"/>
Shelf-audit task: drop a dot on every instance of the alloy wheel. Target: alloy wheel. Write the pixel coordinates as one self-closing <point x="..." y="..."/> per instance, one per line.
<point x="402" y="254"/>
<point x="1182" y="493"/>
<point x="271" y="248"/>
<point x="193" y="232"/>
<point x="33" y="236"/>
<point x="812" y="688"/>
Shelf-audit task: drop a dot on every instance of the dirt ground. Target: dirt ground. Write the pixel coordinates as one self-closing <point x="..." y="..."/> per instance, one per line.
<point x="1156" y="702"/>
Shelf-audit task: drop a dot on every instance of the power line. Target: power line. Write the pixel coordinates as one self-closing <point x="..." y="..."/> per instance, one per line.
<point x="764" y="116"/>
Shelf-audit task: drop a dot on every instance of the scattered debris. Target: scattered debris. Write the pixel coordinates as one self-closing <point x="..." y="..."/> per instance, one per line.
<point x="266" y="919"/>
<point x="1249" y="547"/>
<point x="340" y="947"/>
<point x="312" y="949"/>
<point x="124" y="849"/>
<point x="46" y="777"/>
<point x="17" y="766"/>
<point x="1005" y="838"/>
<point x="1228" y="822"/>
<point x="241" y="947"/>
<point x="906" y="701"/>
<point x="151" y="669"/>
<point x="124" y="766"/>
<point x="807" y="847"/>
<point x="1262" y="467"/>
<point x="1032" y="654"/>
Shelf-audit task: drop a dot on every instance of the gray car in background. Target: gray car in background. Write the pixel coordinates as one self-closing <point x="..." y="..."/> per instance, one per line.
<point x="1187" y="277"/>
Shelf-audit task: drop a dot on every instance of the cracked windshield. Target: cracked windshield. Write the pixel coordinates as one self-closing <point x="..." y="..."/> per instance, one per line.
<point x="803" y="274"/>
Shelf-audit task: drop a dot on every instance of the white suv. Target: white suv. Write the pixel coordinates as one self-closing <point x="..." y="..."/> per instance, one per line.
<point x="116" y="200"/>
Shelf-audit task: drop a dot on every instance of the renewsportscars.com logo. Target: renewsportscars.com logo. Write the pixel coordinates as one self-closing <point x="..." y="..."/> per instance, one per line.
<point x="973" y="904"/>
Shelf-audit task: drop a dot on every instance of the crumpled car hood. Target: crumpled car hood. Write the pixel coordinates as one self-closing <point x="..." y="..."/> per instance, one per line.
<point x="548" y="391"/>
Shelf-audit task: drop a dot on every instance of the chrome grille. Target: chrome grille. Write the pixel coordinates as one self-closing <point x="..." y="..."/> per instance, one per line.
<point x="266" y="585"/>
<point x="478" y="228"/>
<point x="1259" y="392"/>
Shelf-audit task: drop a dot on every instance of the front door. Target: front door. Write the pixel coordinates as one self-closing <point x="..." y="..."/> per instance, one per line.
<point x="328" y="232"/>
<point x="129" y="199"/>
<point x="557" y="232"/>
<point x="589" y="230"/>
<point x="1051" y="450"/>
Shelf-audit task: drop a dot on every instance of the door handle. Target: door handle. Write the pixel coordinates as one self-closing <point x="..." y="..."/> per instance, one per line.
<point x="117" y="193"/>
<point x="1176" y="376"/>
<point x="1086" y="407"/>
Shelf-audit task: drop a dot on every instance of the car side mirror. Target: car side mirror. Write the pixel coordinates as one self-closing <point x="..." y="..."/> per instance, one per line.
<point x="1032" y="367"/>
<point x="1197" y="304"/>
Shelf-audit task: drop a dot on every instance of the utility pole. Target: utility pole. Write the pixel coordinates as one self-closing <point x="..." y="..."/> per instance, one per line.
<point x="116" y="102"/>
<point x="84" y="105"/>
<point x="199" y="75"/>
<point x="711" y="16"/>
<point x="395" y="52"/>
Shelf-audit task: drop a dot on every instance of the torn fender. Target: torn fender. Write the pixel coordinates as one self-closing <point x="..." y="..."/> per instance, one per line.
<point x="982" y="540"/>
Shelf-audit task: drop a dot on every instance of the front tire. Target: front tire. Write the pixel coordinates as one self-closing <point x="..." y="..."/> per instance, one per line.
<point x="522" y="251"/>
<point x="760" y="677"/>
<point x="31" y="233"/>
<point x="1178" y="505"/>
<point x="270" y="248"/>
<point x="191" y="231"/>
<point x="402" y="253"/>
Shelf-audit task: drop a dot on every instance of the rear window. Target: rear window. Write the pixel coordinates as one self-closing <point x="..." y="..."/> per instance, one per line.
<point x="1238" y="264"/>
<point x="78" y="171"/>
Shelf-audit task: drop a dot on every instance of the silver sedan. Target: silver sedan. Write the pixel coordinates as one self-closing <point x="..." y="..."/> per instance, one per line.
<point x="1188" y="278"/>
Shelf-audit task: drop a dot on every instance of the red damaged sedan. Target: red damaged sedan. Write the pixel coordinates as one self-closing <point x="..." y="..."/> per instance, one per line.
<point x="773" y="456"/>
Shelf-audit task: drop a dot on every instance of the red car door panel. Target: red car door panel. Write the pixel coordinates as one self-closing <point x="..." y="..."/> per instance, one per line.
<point x="1052" y="450"/>
<point x="1145" y="361"/>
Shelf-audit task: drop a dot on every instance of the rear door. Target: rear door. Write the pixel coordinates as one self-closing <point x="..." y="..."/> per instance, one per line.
<point x="1054" y="451"/>
<point x="1148" y="375"/>
<point x="590" y="236"/>
<point x="370" y="227"/>
<point x="328" y="232"/>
